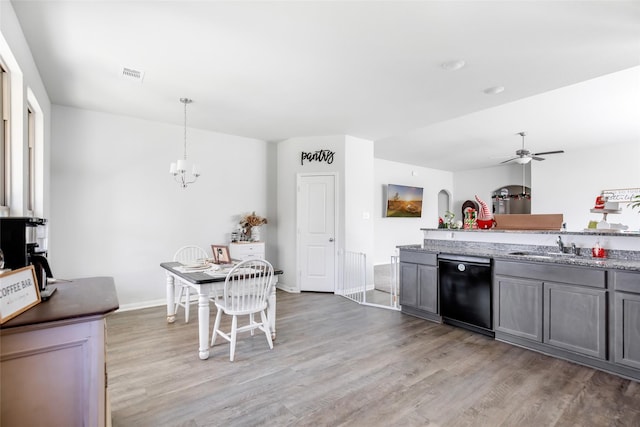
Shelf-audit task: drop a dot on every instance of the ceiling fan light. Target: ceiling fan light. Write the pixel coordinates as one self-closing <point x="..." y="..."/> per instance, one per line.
<point x="523" y="160"/>
<point x="454" y="65"/>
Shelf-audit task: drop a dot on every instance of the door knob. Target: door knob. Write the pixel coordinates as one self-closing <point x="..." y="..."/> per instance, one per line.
<point x="331" y="239"/>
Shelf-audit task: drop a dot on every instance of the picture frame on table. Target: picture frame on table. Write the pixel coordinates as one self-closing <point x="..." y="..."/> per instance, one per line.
<point x="221" y="254"/>
<point x="19" y="291"/>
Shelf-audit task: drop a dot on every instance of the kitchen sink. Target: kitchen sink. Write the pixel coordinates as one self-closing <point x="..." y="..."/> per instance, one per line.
<point x="546" y="255"/>
<point x="531" y="255"/>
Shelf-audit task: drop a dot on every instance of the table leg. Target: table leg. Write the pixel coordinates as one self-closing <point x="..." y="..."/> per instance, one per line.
<point x="171" y="294"/>
<point x="203" y="320"/>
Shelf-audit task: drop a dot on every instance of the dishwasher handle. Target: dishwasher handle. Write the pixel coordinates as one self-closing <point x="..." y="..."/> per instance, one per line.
<point x="464" y="258"/>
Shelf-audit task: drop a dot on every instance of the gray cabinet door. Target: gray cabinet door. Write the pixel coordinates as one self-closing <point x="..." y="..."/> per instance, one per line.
<point x="518" y="307"/>
<point x="575" y="319"/>
<point x="428" y="288"/>
<point x="627" y="329"/>
<point x="408" y="284"/>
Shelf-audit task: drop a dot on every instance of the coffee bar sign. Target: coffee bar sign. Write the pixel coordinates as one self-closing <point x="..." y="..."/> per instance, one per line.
<point x="317" y="156"/>
<point x="18" y="292"/>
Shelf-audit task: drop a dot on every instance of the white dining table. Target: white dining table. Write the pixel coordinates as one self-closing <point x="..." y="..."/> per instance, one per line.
<point x="204" y="281"/>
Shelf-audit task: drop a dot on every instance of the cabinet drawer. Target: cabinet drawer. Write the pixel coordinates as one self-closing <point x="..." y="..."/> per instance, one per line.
<point x="626" y="281"/>
<point x="583" y="276"/>
<point x="244" y="251"/>
<point x="425" y="258"/>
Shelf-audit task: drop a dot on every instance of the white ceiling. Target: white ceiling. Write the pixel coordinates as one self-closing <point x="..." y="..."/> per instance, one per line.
<point x="370" y="69"/>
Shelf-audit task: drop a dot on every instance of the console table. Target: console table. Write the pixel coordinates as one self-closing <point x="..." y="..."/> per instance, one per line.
<point x="52" y="358"/>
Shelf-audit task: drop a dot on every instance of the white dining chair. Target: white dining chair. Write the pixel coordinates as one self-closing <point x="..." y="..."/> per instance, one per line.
<point x="246" y="292"/>
<point x="187" y="255"/>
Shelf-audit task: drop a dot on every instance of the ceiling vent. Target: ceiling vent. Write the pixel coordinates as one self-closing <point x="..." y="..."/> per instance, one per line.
<point x="131" y="74"/>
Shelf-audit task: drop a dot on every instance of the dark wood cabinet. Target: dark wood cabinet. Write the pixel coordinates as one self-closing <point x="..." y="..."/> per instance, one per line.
<point x="518" y="307"/>
<point x="627" y="318"/>
<point x="586" y="314"/>
<point x="428" y="288"/>
<point x="575" y="318"/>
<point x="562" y="307"/>
<point x="408" y="284"/>
<point x="419" y="284"/>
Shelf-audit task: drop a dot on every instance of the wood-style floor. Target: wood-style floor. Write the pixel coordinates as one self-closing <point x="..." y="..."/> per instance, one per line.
<point x="338" y="363"/>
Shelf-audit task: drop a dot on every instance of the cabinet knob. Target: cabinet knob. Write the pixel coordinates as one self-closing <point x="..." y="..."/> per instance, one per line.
<point x="331" y="239"/>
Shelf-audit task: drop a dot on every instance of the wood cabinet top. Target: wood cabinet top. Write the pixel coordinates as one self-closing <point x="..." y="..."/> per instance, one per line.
<point x="75" y="299"/>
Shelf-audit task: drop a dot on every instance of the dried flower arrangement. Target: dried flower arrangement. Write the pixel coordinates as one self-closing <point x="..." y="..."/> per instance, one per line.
<point x="251" y="220"/>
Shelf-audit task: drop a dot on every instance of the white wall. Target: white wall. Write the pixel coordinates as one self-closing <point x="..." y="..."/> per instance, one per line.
<point x="484" y="181"/>
<point x="289" y="166"/>
<point x="352" y="164"/>
<point x="564" y="183"/>
<point x="359" y="200"/>
<point x="116" y="210"/>
<point x="571" y="186"/>
<point x="358" y="194"/>
<point x="391" y="232"/>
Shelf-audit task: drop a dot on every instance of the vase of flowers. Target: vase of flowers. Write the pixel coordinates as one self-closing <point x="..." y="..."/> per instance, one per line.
<point x="255" y="234"/>
<point x="250" y="225"/>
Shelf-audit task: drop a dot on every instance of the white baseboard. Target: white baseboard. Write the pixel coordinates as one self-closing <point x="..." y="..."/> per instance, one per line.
<point x="285" y="288"/>
<point x="143" y="304"/>
<point x="163" y="301"/>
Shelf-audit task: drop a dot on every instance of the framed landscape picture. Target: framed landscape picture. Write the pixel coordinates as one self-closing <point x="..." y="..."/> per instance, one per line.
<point x="404" y="201"/>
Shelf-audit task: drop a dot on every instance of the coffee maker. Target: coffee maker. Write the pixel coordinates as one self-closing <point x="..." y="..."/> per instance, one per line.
<point x="23" y="241"/>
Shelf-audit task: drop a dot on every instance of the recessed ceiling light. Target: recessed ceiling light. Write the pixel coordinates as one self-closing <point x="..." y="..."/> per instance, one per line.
<point x="453" y="65"/>
<point x="494" y="90"/>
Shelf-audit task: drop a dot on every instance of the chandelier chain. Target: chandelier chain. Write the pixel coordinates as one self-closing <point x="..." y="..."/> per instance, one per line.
<point x="185" y="101"/>
<point x="179" y="169"/>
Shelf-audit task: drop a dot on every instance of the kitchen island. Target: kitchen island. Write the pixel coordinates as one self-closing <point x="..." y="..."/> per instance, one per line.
<point x="571" y="306"/>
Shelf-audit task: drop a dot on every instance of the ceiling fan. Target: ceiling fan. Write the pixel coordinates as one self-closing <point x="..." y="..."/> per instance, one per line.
<point x="524" y="156"/>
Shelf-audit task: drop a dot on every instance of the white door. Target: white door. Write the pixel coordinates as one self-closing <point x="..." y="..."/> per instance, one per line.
<point x="316" y="229"/>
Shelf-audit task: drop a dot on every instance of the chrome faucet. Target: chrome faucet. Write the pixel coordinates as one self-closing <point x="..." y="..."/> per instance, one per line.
<point x="560" y="244"/>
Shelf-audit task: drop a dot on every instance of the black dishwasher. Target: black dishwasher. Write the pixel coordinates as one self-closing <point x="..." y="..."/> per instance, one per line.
<point x="465" y="292"/>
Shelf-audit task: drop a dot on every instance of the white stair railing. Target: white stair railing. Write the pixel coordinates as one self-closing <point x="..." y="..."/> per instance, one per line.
<point x="394" y="295"/>
<point x="353" y="283"/>
<point x="354" y="274"/>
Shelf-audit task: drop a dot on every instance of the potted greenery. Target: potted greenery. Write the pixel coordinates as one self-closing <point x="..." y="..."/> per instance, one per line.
<point x="635" y="202"/>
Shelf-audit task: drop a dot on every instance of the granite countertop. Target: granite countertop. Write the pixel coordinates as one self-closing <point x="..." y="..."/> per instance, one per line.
<point x="535" y="255"/>
<point x="586" y="232"/>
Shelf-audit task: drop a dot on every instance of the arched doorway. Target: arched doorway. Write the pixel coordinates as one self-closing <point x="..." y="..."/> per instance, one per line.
<point x="444" y="202"/>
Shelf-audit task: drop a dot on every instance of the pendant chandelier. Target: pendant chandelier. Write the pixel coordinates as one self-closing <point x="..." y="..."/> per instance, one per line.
<point x="179" y="169"/>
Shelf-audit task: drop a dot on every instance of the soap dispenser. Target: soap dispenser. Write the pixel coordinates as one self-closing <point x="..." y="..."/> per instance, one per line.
<point x="597" y="251"/>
